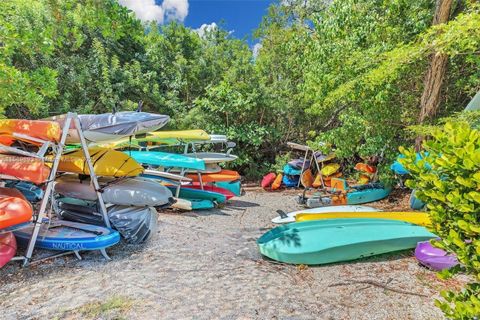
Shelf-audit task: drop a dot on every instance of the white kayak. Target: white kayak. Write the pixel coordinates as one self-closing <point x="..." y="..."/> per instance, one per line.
<point x="209" y="168"/>
<point x="290" y="217"/>
<point x="125" y="192"/>
<point x="213" y="157"/>
<point x="162" y="175"/>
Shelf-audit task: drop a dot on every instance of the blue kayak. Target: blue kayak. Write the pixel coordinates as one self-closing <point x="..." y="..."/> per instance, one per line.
<point x="198" y="204"/>
<point x="167" y="160"/>
<point x="69" y="236"/>
<point x="29" y="190"/>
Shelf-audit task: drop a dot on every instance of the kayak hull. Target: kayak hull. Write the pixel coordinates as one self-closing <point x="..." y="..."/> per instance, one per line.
<point x="8" y="248"/>
<point x="14" y="208"/>
<point x="434" y="258"/>
<point x="166" y="160"/>
<point x="321" y="210"/>
<point x="106" y="162"/>
<point x="233" y="186"/>
<point x="44" y="130"/>
<point x="335" y="240"/>
<point x="222" y="176"/>
<point x="418" y="218"/>
<point x="188" y="193"/>
<point x="227" y="193"/>
<point x="126" y="192"/>
<point x="24" y="169"/>
<point x="69" y="236"/>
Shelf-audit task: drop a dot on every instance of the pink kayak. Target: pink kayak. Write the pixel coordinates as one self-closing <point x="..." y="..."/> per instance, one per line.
<point x="196" y="185"/>
<point x="8" y="247"/>
<point x="434" y="258"/>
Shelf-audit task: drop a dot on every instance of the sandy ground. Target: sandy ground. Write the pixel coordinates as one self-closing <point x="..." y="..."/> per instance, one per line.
<point x="205" y="265"/>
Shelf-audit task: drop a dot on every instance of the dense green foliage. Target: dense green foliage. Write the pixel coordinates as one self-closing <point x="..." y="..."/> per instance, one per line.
<point x="448" y="180"/>
<point x="349" y="73"/>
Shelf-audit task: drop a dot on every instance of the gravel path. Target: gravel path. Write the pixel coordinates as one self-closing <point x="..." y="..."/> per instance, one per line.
<point x="205" y="265"/>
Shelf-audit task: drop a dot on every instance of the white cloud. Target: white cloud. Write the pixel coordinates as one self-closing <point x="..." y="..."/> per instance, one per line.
<point x="204" y="28"/>
<point x="175" y="9"/>
<point x="148" y="10"/>
<point x="256" y="49"/>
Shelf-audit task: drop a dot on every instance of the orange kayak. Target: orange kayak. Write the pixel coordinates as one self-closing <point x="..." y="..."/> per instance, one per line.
<point x="40" y="129"/>
<point x="224" y="175"/>
<point x="24" y="168"/>
<point x="14" y="208"/>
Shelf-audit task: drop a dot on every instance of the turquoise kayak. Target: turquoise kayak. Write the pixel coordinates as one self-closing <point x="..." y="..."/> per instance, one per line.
<point x="233" y="186"/>
<point x="367" y="195"/>
<point x="335" y="240"/>
<point x="187" y="193"/>
<point x="167" y="160"/>
<point x="201" y="204"/>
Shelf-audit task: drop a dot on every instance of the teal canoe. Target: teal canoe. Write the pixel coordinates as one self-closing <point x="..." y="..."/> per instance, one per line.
<point x="198" y="204"/>
<point x="335" y="240"/>
<point x="167" y="160"/>
<point x="187" y="193"/>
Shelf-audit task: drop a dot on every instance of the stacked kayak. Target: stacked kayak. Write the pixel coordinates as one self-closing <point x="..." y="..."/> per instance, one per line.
<point x="113" y="126"/>
<point x="222" y="176"/>
<point x="70" y="236"/>
<point x="14" y="208"/>
<point x="23" y="168"/>
<point x="166" y="160"/>
<point x="106" y="162"/>
<point x="335" y="240"/>
<point x="43" y="130"/>
<point x="8" y="247"/>
<point x="127" y="191"/>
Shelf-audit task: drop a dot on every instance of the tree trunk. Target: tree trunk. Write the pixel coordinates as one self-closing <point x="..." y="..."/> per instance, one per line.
<point x="431" y="95"/>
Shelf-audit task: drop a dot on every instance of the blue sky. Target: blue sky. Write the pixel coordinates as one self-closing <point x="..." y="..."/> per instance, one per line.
<point x="239" y="16"/>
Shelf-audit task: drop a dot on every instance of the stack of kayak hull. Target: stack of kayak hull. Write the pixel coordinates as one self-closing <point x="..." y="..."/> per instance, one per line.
<point x="14" y="208"/>
<point x="335" y="240"/>
<point x="291" y="216"/>
<point x="127" y="192"/>
<point x="166" y="160"/>
<point x="8" y="247"/>
<point x="418" y="218"/>
<point x="69" y="236"/>
<point x="24" y="168"/>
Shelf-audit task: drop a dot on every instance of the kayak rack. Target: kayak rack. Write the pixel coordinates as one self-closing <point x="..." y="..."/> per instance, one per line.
<point x="58" y="150"/>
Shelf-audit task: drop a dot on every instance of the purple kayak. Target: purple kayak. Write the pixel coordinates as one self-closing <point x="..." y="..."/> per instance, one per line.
<point x="297" y="163"/>
<point x="434" y="258"/>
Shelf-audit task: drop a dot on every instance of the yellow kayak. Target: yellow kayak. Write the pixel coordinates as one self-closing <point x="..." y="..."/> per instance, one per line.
<point x="418" y="218"/>
<point x="162" y="137"/>
<point x="106" y="162"/>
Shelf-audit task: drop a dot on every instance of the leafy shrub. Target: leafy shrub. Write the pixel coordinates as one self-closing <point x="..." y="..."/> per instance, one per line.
<point x="450" y="186"/>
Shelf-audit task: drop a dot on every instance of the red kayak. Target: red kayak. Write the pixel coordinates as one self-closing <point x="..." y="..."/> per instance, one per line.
<point x="14" y="208"/>
<point x="8" y="247"/>
<point x="196" y="185"/>
<point x="24" y="168"/>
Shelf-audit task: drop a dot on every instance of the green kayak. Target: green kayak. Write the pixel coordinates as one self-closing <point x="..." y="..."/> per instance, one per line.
<point x="328" y="241"/>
